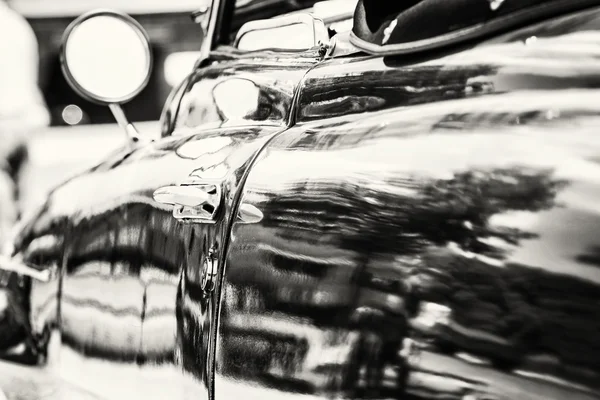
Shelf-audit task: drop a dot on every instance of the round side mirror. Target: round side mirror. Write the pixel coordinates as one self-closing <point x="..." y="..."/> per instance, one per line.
<point x="106" y="57"/>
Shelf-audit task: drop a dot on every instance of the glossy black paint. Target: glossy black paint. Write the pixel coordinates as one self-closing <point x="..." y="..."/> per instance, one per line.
<point x="426" y="267"/>
<point x="427" y="229"/>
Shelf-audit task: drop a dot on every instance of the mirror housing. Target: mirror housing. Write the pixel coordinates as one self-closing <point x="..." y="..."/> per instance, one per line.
<point x="106" y="59"/>
<point x="295" y="32"/>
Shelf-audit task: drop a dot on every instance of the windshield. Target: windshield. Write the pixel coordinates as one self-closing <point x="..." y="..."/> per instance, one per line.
<point x="333" y="12"/>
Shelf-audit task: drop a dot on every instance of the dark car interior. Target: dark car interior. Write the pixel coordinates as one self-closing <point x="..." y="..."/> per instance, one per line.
<point x="400" y="27"/>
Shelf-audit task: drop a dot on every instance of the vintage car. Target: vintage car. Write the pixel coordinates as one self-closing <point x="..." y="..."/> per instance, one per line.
<point x="402" y="206"/>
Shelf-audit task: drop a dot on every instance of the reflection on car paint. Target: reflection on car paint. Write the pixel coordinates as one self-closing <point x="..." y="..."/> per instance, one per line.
<point x="393" y="260"/>
<point x="427" y="229"/>
<point x="242" y="90"/>
<point x="131" y="273"/>
<point x="442" y="250"/>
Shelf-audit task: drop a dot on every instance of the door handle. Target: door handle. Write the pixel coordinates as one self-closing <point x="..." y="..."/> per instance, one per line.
<point x="192" y="200"/>
<point x="187" y="196"/>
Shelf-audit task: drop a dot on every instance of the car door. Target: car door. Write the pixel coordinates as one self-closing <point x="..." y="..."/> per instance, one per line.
<point x="429" y="230"/>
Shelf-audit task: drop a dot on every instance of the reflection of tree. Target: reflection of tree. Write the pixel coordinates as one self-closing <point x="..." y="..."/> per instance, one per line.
<point x="457" y="210"/>
<point x="404" y="216"/>
<point x="503" y="313"/>
<point x="438" y="246"/>
<point x="528" y="312"/>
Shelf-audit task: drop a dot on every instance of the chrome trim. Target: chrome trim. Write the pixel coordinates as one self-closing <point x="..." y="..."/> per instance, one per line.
<point x="211" y="27"/>
<point x="193" y="201"/>
<point x="249" y="214"/>
<point x="341" y="46"/>
<point x="130" y="130"/>
<point x="209" y="271"/>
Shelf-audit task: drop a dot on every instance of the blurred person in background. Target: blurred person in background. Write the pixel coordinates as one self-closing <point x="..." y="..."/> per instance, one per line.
<point x="22" y="111"/>
<point x="22" y="107"/>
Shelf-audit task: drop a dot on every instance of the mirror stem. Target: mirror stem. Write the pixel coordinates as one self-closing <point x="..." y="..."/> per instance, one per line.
<point x="132" y="133"/>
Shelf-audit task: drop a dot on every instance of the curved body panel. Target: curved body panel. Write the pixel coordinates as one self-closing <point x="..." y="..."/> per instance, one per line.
<point x="125" y="292"/>
<point x="430" y="230"/>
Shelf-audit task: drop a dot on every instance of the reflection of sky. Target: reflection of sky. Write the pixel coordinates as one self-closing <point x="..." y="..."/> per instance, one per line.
<point x="482" y="142"/>
<point x="437" y="155"/>
<point x="570" y="54"/>
<point x="333" y="8"/>
<point x="118" y="185"/>
<point x="565" y="234"/>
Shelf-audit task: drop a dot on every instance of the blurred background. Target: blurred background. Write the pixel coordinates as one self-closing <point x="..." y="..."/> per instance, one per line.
<point x="76" y="123"/>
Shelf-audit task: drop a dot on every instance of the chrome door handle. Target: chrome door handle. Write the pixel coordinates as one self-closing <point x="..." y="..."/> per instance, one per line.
<point x="192" y="200"/>
<point x="187" y="196"/>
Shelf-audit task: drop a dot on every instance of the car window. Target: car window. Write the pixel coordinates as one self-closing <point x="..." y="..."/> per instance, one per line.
<point x="337" y="14"/>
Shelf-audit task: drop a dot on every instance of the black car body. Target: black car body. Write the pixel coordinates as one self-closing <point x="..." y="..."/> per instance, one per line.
<point x="417" y="226"/>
